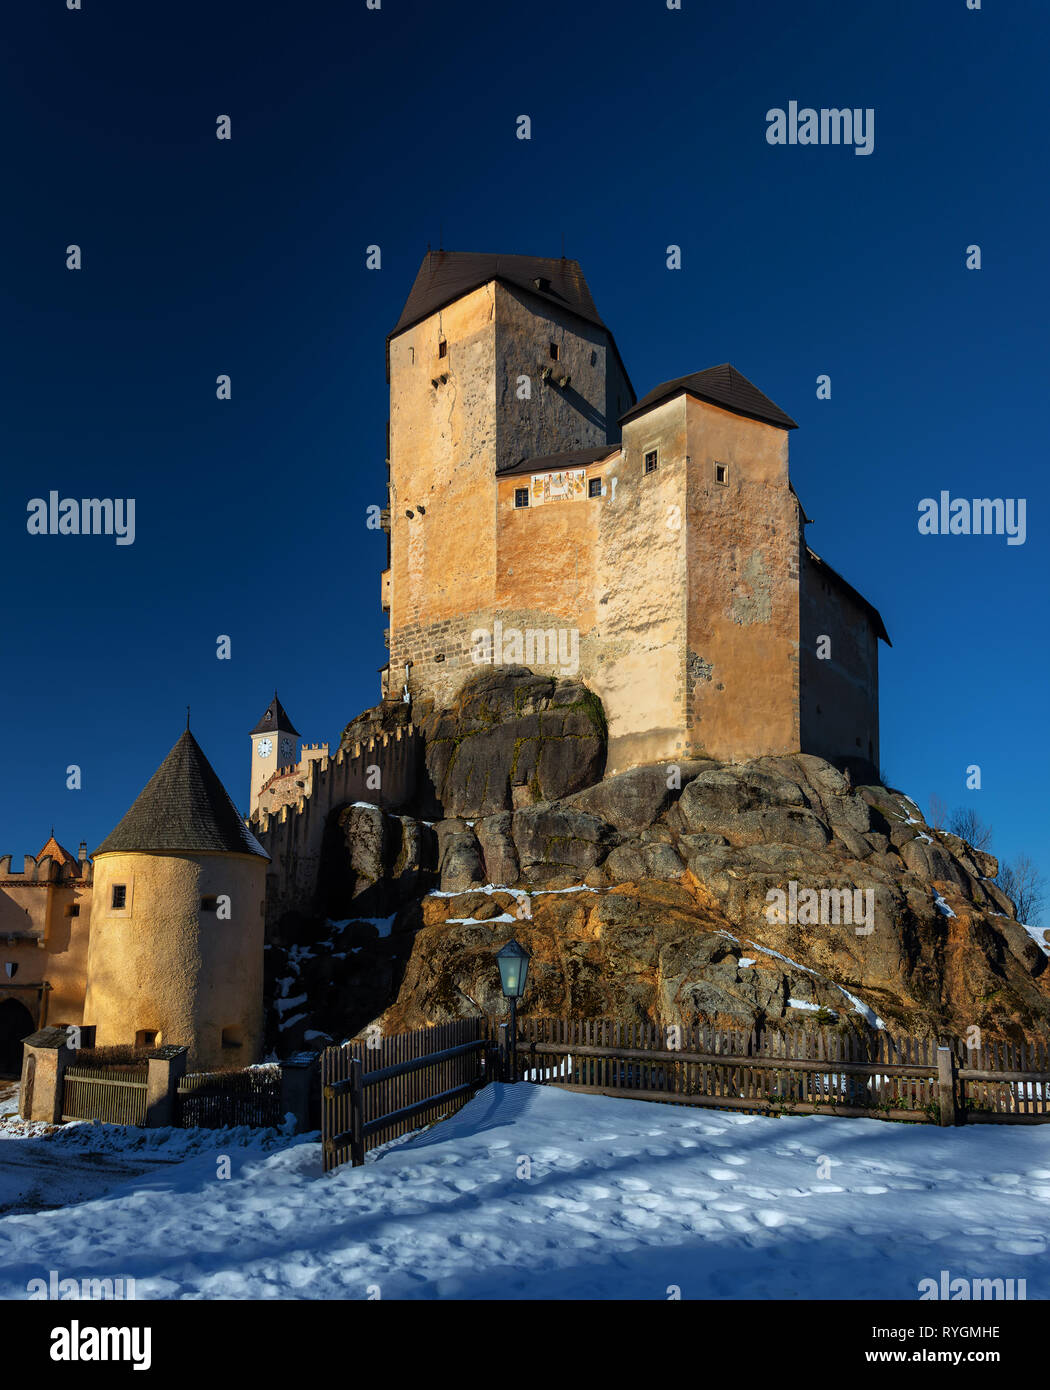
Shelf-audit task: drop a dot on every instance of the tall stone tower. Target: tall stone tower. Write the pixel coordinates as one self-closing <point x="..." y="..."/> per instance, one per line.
<point x="275" y="744"/>
<point x="494" y="359"/>
<point x="176" y="947"/>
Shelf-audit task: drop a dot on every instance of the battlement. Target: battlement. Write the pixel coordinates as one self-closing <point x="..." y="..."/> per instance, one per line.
<point x="45" y="870"/>
<point x="383" y="770"/>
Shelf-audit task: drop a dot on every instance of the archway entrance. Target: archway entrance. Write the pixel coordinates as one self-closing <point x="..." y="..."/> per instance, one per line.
<point x="16" y="1023"/>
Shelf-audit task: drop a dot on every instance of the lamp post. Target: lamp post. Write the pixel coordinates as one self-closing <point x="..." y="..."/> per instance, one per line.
<point x="513" y="961"/>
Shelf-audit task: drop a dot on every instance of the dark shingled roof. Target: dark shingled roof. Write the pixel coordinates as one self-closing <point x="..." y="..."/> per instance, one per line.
<point x="722" y="385"/>
<point x="448" y="275"/>
<point x="276" y="717"/>
<point x="183" y="807"/>
<point x="552" y="463"/>
<point x="869" y="608"/>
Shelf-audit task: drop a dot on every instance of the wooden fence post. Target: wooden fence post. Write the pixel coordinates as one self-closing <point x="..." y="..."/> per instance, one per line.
<point x="357" y="1112"/>
<point x="946" y="1079"/>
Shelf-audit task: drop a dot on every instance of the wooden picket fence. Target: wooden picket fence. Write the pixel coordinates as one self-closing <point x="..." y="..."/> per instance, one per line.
<point x="211" y="1100"/>
<point x="115" y="1095"/>
<point x="793" y="1071"/>
<point x="373" y="1094"/>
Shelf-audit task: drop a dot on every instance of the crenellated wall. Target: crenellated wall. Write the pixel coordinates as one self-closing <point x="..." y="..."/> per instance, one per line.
<point x="384" y="772"/>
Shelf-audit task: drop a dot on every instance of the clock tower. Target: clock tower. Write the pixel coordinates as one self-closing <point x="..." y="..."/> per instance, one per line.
<point x="275" y="744"/>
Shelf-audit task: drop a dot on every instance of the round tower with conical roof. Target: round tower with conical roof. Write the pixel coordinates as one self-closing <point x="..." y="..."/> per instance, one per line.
<point x="176" y="946"/>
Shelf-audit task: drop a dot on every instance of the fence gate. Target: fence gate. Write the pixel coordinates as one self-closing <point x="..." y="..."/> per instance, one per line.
<point x="373" y="1094"/>
<point x="117" y="1096"/>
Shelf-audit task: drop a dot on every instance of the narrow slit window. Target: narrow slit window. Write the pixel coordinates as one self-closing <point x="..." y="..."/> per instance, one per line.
<point x="443" y="348"/>
<point x="722" y="473"/>
<point x="555" y="352"/>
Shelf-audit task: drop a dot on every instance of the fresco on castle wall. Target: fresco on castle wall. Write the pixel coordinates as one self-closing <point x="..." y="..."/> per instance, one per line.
<point x="567" y="486"/>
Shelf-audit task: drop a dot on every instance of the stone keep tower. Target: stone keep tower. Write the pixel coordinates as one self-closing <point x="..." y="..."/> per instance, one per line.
<point x="275" y="744"/>
<point x="176" y="946"/>
<point x="494" y="359"/>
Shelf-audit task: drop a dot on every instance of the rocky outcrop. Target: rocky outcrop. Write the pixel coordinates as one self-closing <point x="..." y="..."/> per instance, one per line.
<point x="750" y="893"/>
<point x="512" y="739"/>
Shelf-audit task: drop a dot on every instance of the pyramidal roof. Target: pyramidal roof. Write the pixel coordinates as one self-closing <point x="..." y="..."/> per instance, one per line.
<point x="276" y="717"/>
<point x="722" y="385"/>
<point x="57" y="852"/>
<point x="448" y="275"/>
<point x="183" y="807"/>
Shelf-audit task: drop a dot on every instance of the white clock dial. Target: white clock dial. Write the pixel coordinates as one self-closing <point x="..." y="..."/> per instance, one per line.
<point x="265" y="746"/>
<point x="287" y="747"/>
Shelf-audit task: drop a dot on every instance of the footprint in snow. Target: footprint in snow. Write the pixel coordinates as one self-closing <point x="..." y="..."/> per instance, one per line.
<point x="1021" y="1247"/>
<point x="771" y="1218"/>
<point x="721" y="1174"/>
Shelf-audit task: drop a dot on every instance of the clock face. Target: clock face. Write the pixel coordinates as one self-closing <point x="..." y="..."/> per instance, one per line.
<point x="287" y="747"/>
<point x="265" y="747"/>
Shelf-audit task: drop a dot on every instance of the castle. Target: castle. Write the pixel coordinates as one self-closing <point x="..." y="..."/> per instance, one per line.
<point x="538" y="511"/>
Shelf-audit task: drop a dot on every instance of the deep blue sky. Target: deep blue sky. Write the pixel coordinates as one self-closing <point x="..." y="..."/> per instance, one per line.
<point x="397" y="127"/>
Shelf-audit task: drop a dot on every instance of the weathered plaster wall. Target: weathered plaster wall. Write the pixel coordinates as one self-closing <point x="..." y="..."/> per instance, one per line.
<point x="840" y="695"/>
<point x="641" y="592"/>
<point x="743" y="634"/>
<point x="554" y="418"/>
<point x="48" y="946"/>
<point x="443" y="456"/>
<point x="165" y="965"/>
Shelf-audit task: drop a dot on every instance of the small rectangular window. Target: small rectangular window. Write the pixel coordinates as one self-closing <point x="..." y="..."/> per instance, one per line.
<point x="120" y="897"/>
<point x="594" y="487"/>
<point x="73" y="910"/>
<point x="209" y="904"/>
<point x="650" y="461"/>
<point x="146" y="1037"/>
<point x="722" y="473"/>
<point x="555" y="352"/>
<point x="521" y="497"/>
<point x="443" y="348"/>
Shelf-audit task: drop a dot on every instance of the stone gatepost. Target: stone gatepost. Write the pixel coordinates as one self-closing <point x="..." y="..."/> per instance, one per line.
<point x="166" y="1068"/>
<point x="45" y="1056"/>
<point x="297" y="1082"/>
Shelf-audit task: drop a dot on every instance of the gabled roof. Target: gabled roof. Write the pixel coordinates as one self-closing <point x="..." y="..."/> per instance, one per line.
<point x="722" y="385"/>
<point x="551" y="463"/>
<point x="183" y="807"/>
<point x="276" y="717"/>
<point x="56" y="851"/>
<point x="869" y="608"/>
<point x="448" y="275"/>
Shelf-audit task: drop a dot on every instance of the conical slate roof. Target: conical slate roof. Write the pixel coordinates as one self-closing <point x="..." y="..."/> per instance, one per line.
<point x="276" y="717"/>
<point x="183" y="807"/>
<point x="722" y="385"/>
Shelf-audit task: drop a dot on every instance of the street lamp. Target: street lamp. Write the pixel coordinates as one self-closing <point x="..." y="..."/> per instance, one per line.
<point x="513" y="961"/>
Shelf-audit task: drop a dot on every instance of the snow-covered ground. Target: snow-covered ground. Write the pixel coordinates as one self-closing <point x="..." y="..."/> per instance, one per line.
<point x="531" y="1192"/>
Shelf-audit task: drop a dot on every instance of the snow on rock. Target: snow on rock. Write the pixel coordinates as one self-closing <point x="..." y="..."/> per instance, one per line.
<point x="618" y="1199"/>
